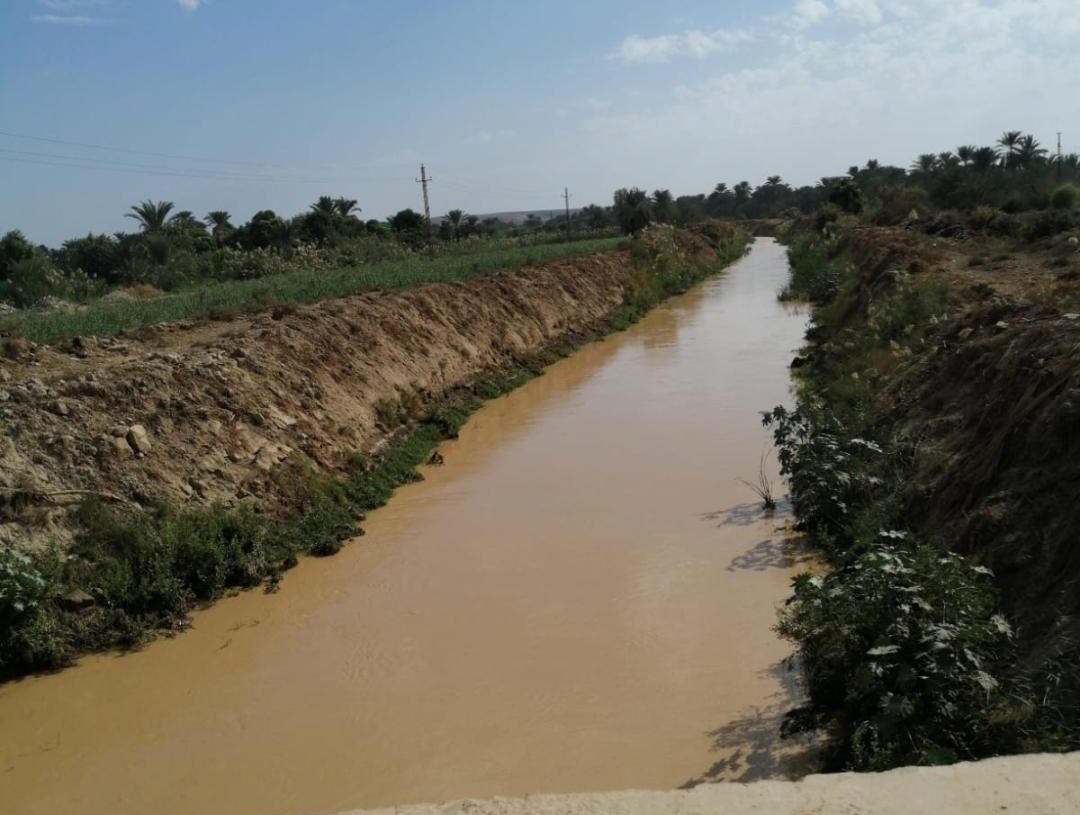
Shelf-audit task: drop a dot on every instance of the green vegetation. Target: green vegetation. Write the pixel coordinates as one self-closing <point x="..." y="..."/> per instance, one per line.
<point x="906" y="654"/>
<point x="1013" y="188"/>
<point x="814" y="276"/>
<point x="174" y="251"/>
<point x="309" y="283"/>
<point x="132" y="572"/>
<point x="1010" y="178"/>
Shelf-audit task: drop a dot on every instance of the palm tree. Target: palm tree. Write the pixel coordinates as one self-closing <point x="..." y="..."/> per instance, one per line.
<point x="455" y="217"/>
<point x="1029" y="151"/>
<point x="632" y="209"/>
<point x="664" y="206"/>
<point x="984" y="158"/>
<point x="151" y="216"/>
<point x="186" y="221"/>
<point x="219" y="223"/>
<point x="742" y="193"/>
<point x="966" y="152"/>
<point x="947" y="160"/>
<point x="1008" y="142"/>
<point x="925" y="164"/>
<point x="324" y="205"/>
<point x="346" y="207"/>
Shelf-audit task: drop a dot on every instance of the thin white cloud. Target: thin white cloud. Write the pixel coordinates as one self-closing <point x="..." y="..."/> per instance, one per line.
<point x="70" y="5"/>
<point x="189" y="5"/>
<point x="808" y="12"/>
<point x="863" y="11"/>
<point x="67" y="19"/>
<point x="696" y="43"/>
<point x="914" y="76"/>
<point x="489" y="136"/>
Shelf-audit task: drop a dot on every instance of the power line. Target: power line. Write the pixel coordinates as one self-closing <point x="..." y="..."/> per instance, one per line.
<point x="179" y="156"/>
<point x="86" y="163"/>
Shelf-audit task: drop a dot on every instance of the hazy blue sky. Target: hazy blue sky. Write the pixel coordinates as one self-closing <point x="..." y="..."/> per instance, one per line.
<point x="507" y="102"/>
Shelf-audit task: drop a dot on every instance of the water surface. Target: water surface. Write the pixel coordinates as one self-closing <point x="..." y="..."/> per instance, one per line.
<point x="581" y="598"/>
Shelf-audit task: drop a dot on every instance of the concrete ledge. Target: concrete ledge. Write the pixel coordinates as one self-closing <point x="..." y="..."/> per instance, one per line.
<point x="1018" y="785"/>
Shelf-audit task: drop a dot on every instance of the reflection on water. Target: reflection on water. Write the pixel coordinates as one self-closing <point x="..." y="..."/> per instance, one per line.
<point x="560" y="607"/>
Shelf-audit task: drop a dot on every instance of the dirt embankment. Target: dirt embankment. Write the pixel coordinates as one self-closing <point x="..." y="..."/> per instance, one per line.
<point x="989" y="403"/>
<point x="203" y="412"/>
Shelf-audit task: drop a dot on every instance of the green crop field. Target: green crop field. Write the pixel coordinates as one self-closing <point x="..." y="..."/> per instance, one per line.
<point x="104" y="318"/>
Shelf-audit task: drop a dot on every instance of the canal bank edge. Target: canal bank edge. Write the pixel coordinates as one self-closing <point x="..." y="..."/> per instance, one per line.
<point x="932" y="461"/>
<point x="1043" y="784"/>
<point x="124" y="572"/>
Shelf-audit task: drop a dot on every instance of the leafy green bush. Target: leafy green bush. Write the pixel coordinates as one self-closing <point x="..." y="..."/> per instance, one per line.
<point x="815" y="276"/>
<point x="848" y="196"/>
<point x="897" y="201"/>
<point x="22" y="591"/>
<point x="826" y="215"/>
<point x="29" y="281"/>
<point x="1065" y="197"/>
<point x="903" y="652"/>
<point x="1047" y="224"/>
<point x="829" y="473"/>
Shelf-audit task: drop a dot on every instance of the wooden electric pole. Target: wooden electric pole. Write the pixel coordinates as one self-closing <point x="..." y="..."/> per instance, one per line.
<point x="1059" y="158"/>
<point x="423" y="181"/>
<point x="566" y="199"/>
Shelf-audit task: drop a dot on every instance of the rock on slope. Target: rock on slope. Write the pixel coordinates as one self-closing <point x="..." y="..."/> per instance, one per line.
<point x="203" y="412"/>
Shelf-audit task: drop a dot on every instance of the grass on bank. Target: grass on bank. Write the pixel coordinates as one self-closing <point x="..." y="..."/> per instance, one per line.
<point x="130" y="573"/>
<point x="103" y="318"/>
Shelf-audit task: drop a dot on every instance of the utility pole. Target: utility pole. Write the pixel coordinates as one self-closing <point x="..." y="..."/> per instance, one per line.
<point x="1059" y="158"/>
<point x="423" y="181"/>
<point x="566" y="198"/>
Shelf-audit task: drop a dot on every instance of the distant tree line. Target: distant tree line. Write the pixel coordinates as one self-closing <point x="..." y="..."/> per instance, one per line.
<point x="1015" y="174"/>
<point x="172" y="248"/>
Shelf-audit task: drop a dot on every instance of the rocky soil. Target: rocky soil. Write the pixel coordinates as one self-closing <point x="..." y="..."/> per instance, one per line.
<point x="203" y="412"/>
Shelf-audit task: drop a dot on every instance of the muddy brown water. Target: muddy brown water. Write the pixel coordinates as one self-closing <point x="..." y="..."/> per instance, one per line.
<point x="581" y="598"/>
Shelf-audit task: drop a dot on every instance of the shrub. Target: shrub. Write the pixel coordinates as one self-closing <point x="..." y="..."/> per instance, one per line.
<point x="829" y="473"/>
<point x="815" y="276"/>
<point x="897" y="201"/>
<point x="903" y="654"/>
<point x="97" y="256"/>
<point x="30" y="281"/>
<point x="1065" y="197"/>
<point x="848" y="196"/>
<point x="827" y="214"/>
<point x="982" y="217"/>
<point x="22" y="591"/>
<point x="1047" y="223"/>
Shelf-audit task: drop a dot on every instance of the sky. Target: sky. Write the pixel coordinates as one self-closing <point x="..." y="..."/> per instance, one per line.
<point x="245" y="105"/>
